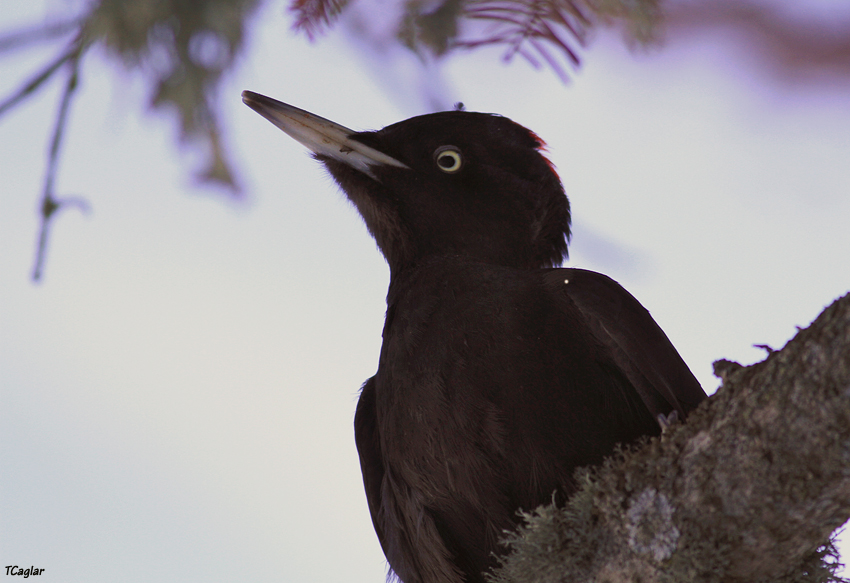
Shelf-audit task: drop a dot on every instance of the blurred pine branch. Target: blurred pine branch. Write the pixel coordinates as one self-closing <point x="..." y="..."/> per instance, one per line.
<point x="183" y="47"/>
<point x="542" y="31"/>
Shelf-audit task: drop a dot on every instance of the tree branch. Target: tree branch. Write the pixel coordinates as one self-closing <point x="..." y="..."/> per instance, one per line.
<point x="749" y="489"/>
<point x="49" y="203"/>
<point x="38" y="80"/>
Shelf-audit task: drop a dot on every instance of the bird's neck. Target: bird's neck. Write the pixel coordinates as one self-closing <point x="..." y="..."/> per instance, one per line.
<point x="429" y="272"/>
<point x="440" y="266"/>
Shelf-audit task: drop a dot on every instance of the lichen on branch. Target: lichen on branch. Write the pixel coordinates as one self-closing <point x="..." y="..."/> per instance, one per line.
<point x="750" y="488"/>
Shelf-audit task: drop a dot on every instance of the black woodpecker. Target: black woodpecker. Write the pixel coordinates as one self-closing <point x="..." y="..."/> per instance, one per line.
<point x="500" y="373"/>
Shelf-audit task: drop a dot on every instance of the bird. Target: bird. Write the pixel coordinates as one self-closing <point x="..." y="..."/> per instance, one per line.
<point x="500" y="372"/>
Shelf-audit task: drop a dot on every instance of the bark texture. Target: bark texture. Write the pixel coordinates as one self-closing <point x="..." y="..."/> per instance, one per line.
<point x="749" y="489"/>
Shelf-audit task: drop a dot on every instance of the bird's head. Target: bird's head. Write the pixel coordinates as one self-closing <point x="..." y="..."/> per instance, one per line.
<point x="448" y="183"/>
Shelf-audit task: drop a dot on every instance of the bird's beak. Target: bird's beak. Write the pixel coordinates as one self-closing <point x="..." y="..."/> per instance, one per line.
<point x="322" y="136"/>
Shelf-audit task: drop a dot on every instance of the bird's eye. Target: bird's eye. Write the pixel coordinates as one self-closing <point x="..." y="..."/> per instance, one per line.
<point x="448" y="159"/>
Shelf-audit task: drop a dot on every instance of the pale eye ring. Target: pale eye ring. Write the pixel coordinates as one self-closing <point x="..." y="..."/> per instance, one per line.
<point x="448" y="159"/>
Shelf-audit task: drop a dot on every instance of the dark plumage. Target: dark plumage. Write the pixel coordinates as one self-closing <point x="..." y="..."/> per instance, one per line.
<point x="499" y="374"/>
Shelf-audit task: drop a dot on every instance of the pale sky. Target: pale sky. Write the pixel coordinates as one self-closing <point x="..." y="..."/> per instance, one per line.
<point x="177" y="396"/>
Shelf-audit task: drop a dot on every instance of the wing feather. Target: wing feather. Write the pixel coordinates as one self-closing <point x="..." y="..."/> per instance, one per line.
<point x="638" y="345"/>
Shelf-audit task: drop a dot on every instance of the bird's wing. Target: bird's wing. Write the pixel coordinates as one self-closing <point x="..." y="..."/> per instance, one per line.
<point x="369" y="449"/>
<point x="638" y="345"/>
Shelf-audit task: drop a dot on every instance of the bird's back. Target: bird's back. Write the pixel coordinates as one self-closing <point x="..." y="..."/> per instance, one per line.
<point x="491" y="390"/>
